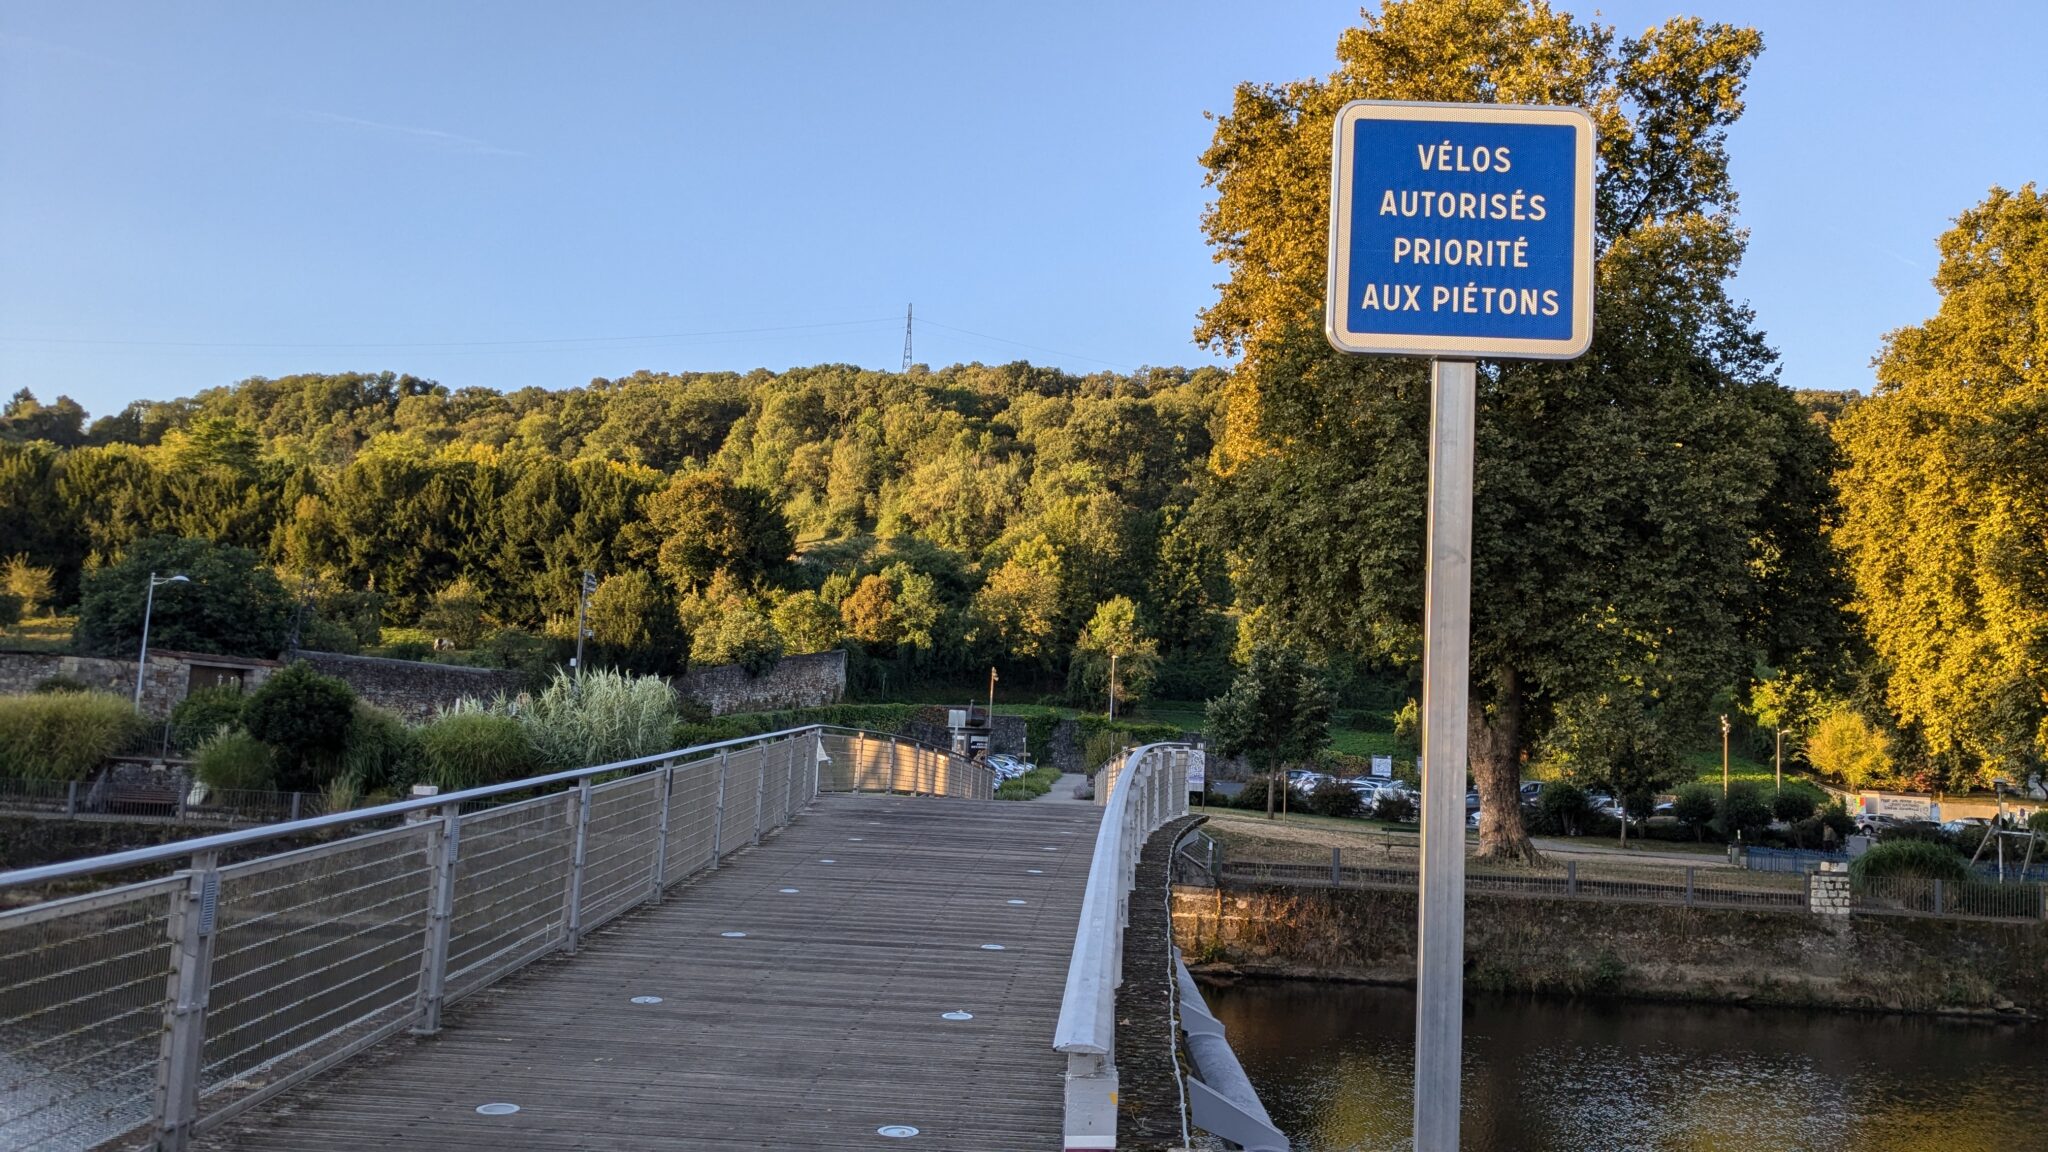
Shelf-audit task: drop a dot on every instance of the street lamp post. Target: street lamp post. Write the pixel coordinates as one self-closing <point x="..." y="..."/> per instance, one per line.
<point x="1778" y="761"/>
<point x="1112" y="685"/>
<point x="149" y="606"/>
<point x="991" y="698"/>
<point x="1724" y="754"/>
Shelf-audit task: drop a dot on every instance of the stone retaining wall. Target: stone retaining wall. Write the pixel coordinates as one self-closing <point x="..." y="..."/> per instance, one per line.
<point x="795" y="682"/>
<point x="412" y="688"/>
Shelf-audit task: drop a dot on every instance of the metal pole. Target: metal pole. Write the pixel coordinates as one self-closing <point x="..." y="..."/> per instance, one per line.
<point x="572" y="928"/>
<point x="582" y="614"/>
<point x="1778" y="761"/>
<point x="660" y="877"/>
<point x="142" y="660"/>
<point x="1112" y="685"/>
<point x="442" y="852"/>
<point x="760" y="788"/>
<point x="718" y="811"/>
<point x="195" y="913"/>
<point x="1446" y="659"/>
<point x="1724" y="754"/>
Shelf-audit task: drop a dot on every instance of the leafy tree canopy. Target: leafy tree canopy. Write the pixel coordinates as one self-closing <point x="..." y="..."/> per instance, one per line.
<point x="228" y="604"/>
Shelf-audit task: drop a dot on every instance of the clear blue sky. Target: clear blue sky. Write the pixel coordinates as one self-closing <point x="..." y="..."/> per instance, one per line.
<point x="194" y="193"/>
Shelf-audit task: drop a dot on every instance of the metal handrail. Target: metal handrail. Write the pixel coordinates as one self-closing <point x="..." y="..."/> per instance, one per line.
<point x="408" y="917"/>
<point x="179" y="849"/>
<point x="1138" y="791"/>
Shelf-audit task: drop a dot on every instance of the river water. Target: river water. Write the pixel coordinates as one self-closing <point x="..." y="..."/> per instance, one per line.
<point x="1333" y="1064"/>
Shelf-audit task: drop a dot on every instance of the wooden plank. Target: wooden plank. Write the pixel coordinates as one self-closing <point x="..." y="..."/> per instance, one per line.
<point x="821" y="1025"/>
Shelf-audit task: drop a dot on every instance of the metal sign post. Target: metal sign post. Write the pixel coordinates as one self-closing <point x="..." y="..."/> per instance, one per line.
<point x="1456" y="231"/>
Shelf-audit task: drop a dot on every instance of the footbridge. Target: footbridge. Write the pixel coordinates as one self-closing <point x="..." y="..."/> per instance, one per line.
<point x="814" y="938"/>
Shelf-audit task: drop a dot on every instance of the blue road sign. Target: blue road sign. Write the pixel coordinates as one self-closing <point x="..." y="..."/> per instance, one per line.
<point x="1461" y="230"/>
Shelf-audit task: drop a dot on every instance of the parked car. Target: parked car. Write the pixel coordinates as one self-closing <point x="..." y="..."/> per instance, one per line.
<point x="1472" y="821"/>
<point x="1876" y="824"/>
<point x="1472" y="801"/>
<point x="1531" y="789"/>
<point x="1965" y="824"/>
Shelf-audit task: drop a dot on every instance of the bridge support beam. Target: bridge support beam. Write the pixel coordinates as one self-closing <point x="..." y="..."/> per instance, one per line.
<point x="1091" y="1102"/>
<point x="572" y="912"/>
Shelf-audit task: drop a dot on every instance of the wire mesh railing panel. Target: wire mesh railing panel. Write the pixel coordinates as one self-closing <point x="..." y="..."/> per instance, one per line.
<point x="619" y="843"/>
<point x="81" y="1015"/>
<point x="902" y="767"/>
<point x="692" y="814"/>
<point x="511" y="886"/>
<point x="838" y="774"/>
<point x="314" y="950"/>
<point x="781" y="767"/>
<point x="742" y="798"/>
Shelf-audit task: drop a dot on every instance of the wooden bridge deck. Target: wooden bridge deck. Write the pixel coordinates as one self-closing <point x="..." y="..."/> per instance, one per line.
<point x="819" y="1027"/>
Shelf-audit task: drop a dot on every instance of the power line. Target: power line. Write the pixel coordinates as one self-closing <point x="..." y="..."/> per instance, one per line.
<point x="1033" y="347"/>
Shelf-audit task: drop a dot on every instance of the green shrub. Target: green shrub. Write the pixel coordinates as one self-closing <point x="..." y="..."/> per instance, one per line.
<point x="1743" y="812"/>
<point x="1561" y="807"/>
<point x="380" y="753"/>
<point x="1252" y="795"/>
<point x="1916" y="859"/>
<point x="10" y="609"/>
<point x="1029" y="786"/>
<point x="468" y="749"/>
<point x="1101" y="748"/>
<point x="1394" y="807"/>
<point x="1796" y="802"/>
<point x="63" y="735"/>
<point x="404" y="649"/>
<point x="305" y="718"/>
<point x="1335" y="798"/>
<point x="198" y="716"/>
<point x="1837" y="817"/>
<point x="2039" y="822"/>
<point x="1694" y="807"/>
<point x="234" y="760"/>
<point x="49" y="684"/>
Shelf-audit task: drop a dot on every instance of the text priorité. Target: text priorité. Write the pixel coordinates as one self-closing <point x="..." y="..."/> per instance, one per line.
<point x="1436" y="251"/>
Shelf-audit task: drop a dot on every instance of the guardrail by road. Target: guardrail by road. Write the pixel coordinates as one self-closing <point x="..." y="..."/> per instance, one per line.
<point x="161" y="1008"/>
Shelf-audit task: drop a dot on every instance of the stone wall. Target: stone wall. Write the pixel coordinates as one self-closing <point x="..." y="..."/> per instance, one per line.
<point x="1587" y="947"/>
<point x="412" y="688"/>
<point x="1008" y="735"/>
<point x="795" y="682"/>
<point x="168" y="681"/>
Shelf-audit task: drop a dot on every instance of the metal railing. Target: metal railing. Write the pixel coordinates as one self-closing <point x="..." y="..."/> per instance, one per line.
<point x="179" y="801"/>
<point x="156" y="1010"/>
<point x="1138" y="791"/>
<point x="1980" y="899"/>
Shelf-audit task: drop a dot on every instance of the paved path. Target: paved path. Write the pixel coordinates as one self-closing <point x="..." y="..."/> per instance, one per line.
<point x="1063" y="790"/>
<point x="818" y="1027"/>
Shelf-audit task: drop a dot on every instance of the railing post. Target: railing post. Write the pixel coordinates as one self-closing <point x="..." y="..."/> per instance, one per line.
<point x="798" y="746"/>
<point x="1336" y="867"/>
<point x="295" y="806"/>
<point x="184" y="790"/>
<point x="1688" y="886"/>
<point x="1571" y="877"/>
<point x="760" y="791"/>
<point x="572" y="920"/>
<point x="718" y="810"/>
<point x="443" y="848"/>
<point x="817" y="750"/>
<point x="71" y="799"/>
<point x="195" y="910"/>
<point x="660" y="877"/>
<point x="1940" y="908"/>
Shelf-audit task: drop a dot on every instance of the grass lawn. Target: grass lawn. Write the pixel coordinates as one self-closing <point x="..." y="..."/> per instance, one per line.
<point x="1029" y="786"/>
<point x="1705" y="765"/>
<point x="47" y="634"/>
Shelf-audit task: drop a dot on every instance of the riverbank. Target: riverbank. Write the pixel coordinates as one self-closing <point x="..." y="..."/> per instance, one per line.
<point x="1627" y="951"/>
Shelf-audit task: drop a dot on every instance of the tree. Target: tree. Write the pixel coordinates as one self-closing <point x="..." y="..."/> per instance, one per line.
<point x="806" y="623"/>
<point x="1945" y="498"/>
<point x="869" y="614"/>
<point x="737" y="633"/>
<point x="27" y="583"/>
<point x="1613" y="738"/>
<point x="633" y="619"/>
<point x="1113" y="631"/>
<point x="708" y="524"/>
<point x="1018" y="608"/>
<point x="1277" y="712"/>
<point x="306" y="717"/>
<point x="456" y="614"/>
<point x="1695" y="806"/>
<point x="228" y="603"/>
<point x="1657" y="503"/>
<point x="1850" y="749"/>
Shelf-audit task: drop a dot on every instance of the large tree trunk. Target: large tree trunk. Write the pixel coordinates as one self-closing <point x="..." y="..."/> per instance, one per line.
<point x="1495" y="732"/>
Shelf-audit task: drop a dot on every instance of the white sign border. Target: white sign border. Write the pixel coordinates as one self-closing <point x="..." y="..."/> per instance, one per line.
<point x="1458" y="347"/>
